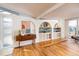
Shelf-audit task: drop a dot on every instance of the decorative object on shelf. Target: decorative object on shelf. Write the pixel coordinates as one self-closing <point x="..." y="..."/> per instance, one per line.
<point x="57" y="28"/>
<point x="19" y="32"/>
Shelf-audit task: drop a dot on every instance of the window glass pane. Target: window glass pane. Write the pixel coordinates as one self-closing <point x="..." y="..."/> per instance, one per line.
<point x="73" y="23"/>
<point x="72" y="27"/>
<point x="7" y="30"/>
<point x="8" y="39"/>
<point x="7" y="25"/>
<point x="7" y="20"/>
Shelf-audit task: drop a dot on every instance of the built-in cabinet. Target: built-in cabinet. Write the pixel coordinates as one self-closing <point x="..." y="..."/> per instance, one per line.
<point x="45" y="31"/>
<point x="57" y="31"/>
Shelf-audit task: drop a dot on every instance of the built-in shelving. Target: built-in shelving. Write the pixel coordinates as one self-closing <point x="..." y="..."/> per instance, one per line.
<point x="45" y="31"/>
<point x="57" y="31"/>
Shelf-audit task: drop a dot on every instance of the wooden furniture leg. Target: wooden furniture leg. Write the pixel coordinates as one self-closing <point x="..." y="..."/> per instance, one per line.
<point x="19" y="44"/>
<point x="33" y="41"/>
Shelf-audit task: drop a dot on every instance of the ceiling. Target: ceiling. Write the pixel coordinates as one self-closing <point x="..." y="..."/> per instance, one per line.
<point x="45" y="10"/>
<point x="66" y="11"/>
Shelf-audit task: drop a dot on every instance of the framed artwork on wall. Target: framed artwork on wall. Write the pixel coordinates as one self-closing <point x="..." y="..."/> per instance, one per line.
<point x="25" y="27"/>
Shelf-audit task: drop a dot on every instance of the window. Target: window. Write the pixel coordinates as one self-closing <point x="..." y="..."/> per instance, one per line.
<point x="72" y="27"/>
<point x="7" y="31"/>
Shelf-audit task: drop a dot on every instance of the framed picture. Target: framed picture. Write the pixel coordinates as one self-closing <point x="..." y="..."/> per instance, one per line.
<point x="25" y="27"/>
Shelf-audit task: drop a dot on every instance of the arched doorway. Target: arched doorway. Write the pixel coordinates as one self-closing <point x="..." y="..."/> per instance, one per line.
<point x="45" y="31"/>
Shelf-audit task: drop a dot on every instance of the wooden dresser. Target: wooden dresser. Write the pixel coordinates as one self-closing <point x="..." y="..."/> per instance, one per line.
<point x="26" y="37"/>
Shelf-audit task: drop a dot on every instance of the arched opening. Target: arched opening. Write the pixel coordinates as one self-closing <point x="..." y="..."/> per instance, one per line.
<point x="45" y="31"/>
<point x="57" y="31"/>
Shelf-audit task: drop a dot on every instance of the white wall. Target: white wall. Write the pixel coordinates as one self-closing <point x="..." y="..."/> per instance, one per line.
<point x="62" y="25"/>
<point x="66" y="29"/>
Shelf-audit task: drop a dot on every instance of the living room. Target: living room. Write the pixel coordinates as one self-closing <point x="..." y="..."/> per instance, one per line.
<point x="25" y="27"/>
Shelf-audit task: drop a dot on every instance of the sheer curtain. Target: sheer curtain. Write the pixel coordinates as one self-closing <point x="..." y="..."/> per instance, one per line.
<point x="7" y="36"/>
<point x="7" y="31"/>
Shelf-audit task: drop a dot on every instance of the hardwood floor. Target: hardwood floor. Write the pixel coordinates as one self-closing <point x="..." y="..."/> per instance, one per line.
<point x="49" y="48"/>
